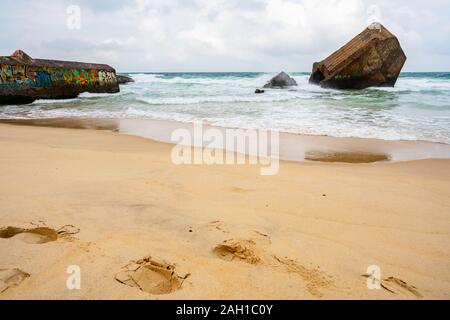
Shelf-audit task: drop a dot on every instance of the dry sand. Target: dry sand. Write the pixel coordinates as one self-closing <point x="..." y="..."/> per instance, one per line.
<point x="140" y="227"/>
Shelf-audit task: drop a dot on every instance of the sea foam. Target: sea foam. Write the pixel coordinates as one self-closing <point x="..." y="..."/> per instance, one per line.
<point x="417" y="108"/>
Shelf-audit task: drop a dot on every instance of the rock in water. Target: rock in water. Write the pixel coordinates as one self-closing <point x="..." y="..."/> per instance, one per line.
<point x="374" y="58"/>
<point x="24" y="79"/>
<point x="281" y="80"/>
<point x="124" y="79"/>
<point x="259" y="91"/>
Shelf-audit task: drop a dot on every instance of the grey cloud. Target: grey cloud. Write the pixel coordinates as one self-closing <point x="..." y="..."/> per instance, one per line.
<point x="220" y="35"/>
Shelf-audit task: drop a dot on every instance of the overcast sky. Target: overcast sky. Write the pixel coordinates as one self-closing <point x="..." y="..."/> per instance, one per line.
<point x="219" y="35"/>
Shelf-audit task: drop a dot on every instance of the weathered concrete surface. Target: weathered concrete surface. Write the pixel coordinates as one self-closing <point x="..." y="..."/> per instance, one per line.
<point x="124" y="79"/>
<point x="281" y="80"/>
<point x="24" y="79"/>
<point x="373" y="58"/>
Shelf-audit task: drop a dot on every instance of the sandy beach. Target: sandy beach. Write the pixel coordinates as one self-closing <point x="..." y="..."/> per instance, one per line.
<point x="117" y="207"/>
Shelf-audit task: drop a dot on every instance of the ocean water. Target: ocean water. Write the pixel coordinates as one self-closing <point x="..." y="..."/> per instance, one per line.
<point x="418" y="108"/>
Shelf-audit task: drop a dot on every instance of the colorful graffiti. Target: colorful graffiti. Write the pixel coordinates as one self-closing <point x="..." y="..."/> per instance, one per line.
<point x="41" y="77"/>
<point x="23" y="79"/>
<point x="15" y="75"/>
<point x="81" y="77"/>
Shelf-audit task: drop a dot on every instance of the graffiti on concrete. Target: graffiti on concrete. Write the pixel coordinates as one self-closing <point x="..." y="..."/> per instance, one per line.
<point x="107" y="77"/>
<point x="24" y="79"/>
<point x="43" y="79"/>
<point x="14" y="75"/>
<point x="44" y="76"/>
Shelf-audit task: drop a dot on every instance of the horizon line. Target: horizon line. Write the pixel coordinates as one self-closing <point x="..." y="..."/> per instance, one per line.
<point x="255" y="72"/>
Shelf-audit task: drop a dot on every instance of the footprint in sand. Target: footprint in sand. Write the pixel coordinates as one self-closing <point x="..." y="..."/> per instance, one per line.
<point x="152" y="276"/>
<point x="10" y="278"/>
<point x="246" y="250"/>
<point x="254" y="251"/>
<point x="398" y="286"/>
<point x="38" y="235"/>
<point x="314" y="278"/>
<point x="243" y="250"/>
<point x="34" y="235"/>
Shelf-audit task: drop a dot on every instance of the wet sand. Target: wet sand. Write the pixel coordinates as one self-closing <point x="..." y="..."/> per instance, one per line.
<point x="140" y="227"/>
<point x="293" y="147"/>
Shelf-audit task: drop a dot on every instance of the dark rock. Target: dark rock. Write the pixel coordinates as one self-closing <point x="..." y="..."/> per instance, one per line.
<point x="281" y="80"/>
<point x="372" y="58"/>
<point x="259" y="91"/>
<point x="124" y="79"/>
<point x="24" y="79"/>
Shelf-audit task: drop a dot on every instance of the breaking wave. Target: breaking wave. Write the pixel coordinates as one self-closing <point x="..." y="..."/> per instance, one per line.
<point x="418" y="108"/>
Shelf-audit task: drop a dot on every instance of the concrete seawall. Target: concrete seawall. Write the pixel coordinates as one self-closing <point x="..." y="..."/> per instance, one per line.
<point x="24" y="79"/>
